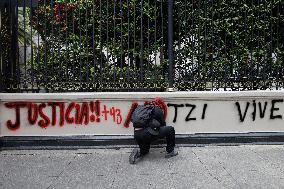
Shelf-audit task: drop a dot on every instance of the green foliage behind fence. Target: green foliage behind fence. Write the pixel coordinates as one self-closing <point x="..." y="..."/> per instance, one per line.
<point x="229" y="42"/>
<point x="99" y="42"/>
<point x="103" y="45"/>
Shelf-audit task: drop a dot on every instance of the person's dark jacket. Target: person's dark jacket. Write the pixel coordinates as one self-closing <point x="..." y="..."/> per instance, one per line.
<point x="157" y="121"/>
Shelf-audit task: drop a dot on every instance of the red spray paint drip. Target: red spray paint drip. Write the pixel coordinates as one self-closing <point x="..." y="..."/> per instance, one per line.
<point x="98" y="110"/>
<point x="92" y="108"/>
<point x="95" y="108"/>
<point x="128" y="118"/>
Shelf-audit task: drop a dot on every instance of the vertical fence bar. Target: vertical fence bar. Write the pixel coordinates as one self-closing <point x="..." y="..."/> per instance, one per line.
<point x="237" y="68"/>
<point x="73" y="69"/>
<point x="58" y="65"/>
<point x="93" y="39"/>
<point x="252" y="37"/>
<point x="243" y="70"/>
<point x="170" y="44"/>
<point x="14" y="44"/>
<point x="278" y="36"/>
<point x="204" y="76"/>
<point x="193" y="41"/>
<point x="148" y="42"/>
<point x="121" y="73"/>
<point x="179" y="17"/>
<point x="6" y="46"/>
<point x="264" y="59"/>
<point x="47" y="72"/>
<point x="17" y="71"/>
<point x="52" y="45"/>
<point x="33" y="79"/>
<point x="198" y="79"/>
<point x="1" y="50"/>
<point x="101" y="46"/>
<point x="8" y="63"/>
<point x="86" y="65"/>
<point x="141" y="44"/>
<point x="156" y="72"/>
<point x="26" y="74"/>
<point x="258" y="56"/>
<point x="107" y="37"/>
<point x="114" y="42"/>
<point x="134" y="43"/>
<point x="162" y="50"/>
<point x="66" y="79"/>
<point x="80" y="39"/>
<point x="155" y="32"/>
<point x="271" y="37"/>
<point x="128" y="45"/>
<point x="212" y="43"/>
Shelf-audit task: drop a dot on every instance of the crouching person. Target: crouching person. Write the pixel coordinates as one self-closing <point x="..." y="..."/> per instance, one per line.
<point x="149" y="125"/>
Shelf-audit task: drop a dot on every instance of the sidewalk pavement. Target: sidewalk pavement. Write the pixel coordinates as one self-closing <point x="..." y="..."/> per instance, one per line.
<point x="247" y="166"/>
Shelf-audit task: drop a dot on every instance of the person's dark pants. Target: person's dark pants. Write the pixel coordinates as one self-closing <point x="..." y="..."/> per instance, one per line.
<point x="144" y="139"/>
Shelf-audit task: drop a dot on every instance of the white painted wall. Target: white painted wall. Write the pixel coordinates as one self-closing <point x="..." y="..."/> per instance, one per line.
<point x="222" y="114"/>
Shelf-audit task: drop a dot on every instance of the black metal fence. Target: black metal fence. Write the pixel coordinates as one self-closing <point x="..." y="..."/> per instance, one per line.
<point x="141" y="45"/>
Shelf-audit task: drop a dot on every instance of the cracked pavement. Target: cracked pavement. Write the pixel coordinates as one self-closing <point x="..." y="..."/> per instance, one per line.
<point x="245" y="166"/>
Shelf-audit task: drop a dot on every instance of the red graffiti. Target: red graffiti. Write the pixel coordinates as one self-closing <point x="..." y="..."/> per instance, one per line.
<point x="45" y="121"/>
<point x="98" y="111"/>
<point x="54" y="106"/>
<point x="16" y="106"/>
<point x="95" y="107"/>
<point x="112" y="112"/>
<point x="32" y="113"/>
<point x="69" y="109"/>
<point x="73" y="113"/>
<point x="128" y="118"/>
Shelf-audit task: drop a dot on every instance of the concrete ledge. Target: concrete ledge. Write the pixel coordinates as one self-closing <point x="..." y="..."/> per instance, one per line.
<point x="88" y="120"/>
<point x="140" y="96"/>
<point x="84" y="142"/>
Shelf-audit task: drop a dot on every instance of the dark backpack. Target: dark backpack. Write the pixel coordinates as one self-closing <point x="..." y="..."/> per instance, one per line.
<point x="141" y="116"/>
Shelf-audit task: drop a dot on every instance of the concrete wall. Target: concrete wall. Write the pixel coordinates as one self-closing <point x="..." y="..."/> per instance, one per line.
<point x="63" y="114"/>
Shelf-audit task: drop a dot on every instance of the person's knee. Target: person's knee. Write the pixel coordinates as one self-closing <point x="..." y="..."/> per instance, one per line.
<point x="144" y="152"/>
<point x="171" y="130"/>
<point x="144" y="148"/>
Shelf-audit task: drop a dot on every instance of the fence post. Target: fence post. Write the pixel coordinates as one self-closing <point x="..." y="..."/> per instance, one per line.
<point x="9" y="48"/>
<point x="171" y="44"/>
<point x="14" y="45"/>
<point x="1" y="49"/>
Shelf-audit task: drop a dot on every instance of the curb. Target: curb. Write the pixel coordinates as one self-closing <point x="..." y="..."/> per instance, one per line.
<point x="127" y="141"/>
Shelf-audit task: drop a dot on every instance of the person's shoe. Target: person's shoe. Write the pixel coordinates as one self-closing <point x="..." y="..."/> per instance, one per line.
<point x="171" y="154"/>
<point x="135" y="154"/>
